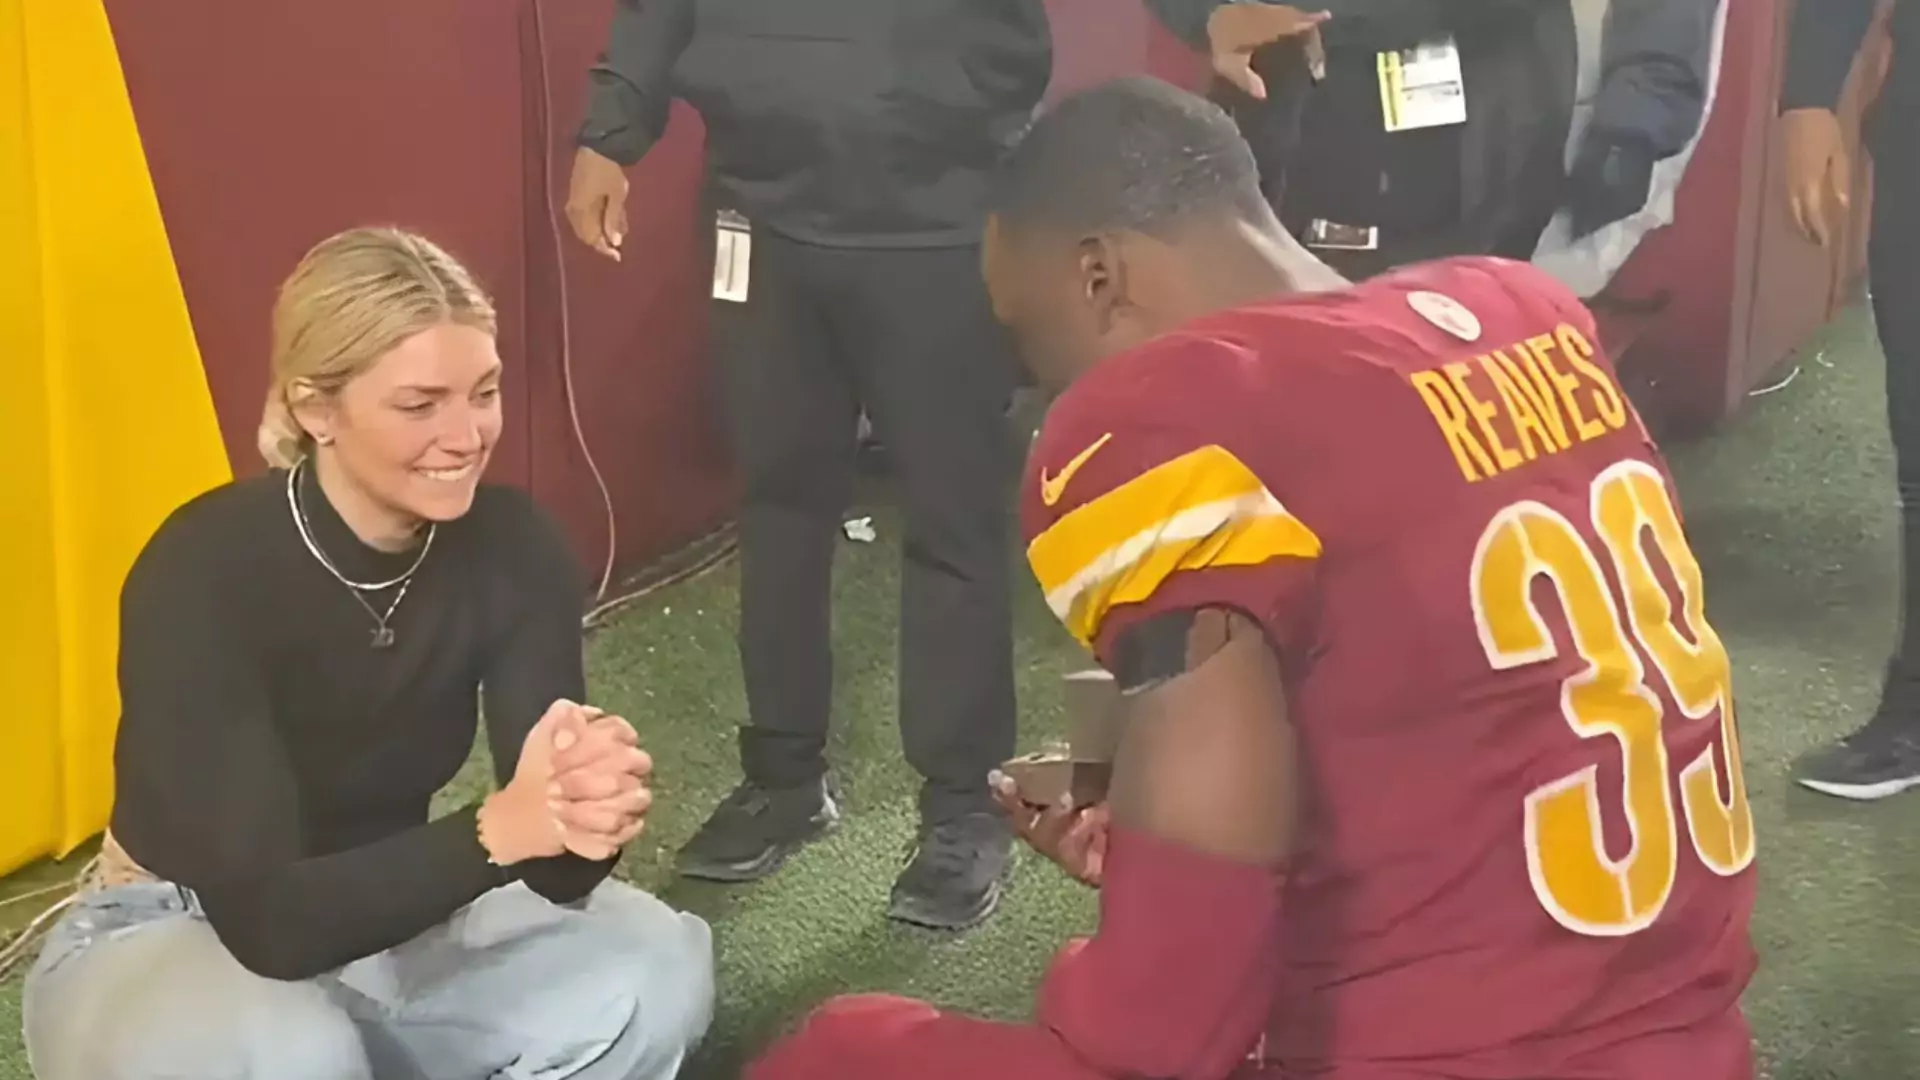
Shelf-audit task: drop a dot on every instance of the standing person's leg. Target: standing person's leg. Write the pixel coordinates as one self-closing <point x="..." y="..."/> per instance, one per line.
<point x="1882" y="758"/>
<point x="937" y="372"/>
<point x="130" y="986"/>
<point x="619" y="987"/>
<point x="791" y="412"/>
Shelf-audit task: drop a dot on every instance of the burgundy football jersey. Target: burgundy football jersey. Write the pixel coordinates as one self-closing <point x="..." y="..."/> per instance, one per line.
<point x="1525" y="847"/>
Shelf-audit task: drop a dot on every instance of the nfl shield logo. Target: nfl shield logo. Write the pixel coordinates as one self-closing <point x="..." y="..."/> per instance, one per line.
<point x="1446" y="313"/>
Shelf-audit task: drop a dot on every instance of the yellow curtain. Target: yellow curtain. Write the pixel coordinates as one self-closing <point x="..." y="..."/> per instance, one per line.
<point x="106" y="424"/>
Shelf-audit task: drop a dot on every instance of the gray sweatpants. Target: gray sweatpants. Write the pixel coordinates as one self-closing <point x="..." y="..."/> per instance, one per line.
<point x="133" y="985"/>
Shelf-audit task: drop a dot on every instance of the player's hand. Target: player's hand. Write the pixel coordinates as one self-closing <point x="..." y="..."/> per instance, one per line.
<point x="1235" y="31"/>
<point x="1076" y="840"/>
<point x="598" y="791"/>
<point x="1819" y="172"/>
<point x="597" y="202"/>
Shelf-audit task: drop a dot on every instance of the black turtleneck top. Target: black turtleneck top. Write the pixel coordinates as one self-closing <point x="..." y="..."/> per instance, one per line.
<point x="274" y="762"/>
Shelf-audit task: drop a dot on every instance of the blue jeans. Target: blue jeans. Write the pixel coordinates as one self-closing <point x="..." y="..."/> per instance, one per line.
<point x="134" y="985"/>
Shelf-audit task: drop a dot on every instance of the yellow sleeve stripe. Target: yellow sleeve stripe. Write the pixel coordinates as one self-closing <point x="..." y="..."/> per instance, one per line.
<point x="1202" y="509"/>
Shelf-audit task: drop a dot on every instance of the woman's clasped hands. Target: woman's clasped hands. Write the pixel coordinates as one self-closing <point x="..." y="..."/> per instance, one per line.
<point x="580" y="786"/>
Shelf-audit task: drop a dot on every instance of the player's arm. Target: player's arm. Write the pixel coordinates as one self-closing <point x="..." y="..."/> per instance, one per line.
<point x="1178" y="980"/>
<point x="1165" y="553"/>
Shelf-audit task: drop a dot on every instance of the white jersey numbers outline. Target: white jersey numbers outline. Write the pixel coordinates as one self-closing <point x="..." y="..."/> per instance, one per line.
<point x="1580" y="885"/>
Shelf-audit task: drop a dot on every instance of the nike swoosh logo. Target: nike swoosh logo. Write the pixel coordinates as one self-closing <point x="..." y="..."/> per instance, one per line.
<point x="1052" y="487"/>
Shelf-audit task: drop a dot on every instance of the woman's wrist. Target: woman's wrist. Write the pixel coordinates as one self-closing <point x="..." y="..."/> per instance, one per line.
<point x="504" y="829"/>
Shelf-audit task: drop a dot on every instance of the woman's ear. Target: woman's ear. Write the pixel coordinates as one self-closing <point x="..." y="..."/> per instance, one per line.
<point x="312" y="410"/>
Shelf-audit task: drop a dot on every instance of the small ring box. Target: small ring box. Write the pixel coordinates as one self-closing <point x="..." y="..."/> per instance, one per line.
<point x="1081" y="770"/>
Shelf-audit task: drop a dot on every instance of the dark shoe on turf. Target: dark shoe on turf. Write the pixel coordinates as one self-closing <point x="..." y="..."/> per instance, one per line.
<point x="1882" y="758"/>
<point x="953" y="879"/>
<point x="756" y="829"/>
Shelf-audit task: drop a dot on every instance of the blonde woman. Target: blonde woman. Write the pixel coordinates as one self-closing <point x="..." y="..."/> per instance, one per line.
<point x="303" y="660"/>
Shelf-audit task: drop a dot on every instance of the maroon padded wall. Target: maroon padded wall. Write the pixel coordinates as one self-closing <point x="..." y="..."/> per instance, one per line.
<point x="636" y="329"/>
<point x="1797" y="286"/>
<point x="269" y="126"/>
<point x="1744" y="289"/>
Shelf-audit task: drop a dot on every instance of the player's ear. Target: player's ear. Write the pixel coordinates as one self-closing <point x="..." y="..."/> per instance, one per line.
<point x="1103" y="278"/>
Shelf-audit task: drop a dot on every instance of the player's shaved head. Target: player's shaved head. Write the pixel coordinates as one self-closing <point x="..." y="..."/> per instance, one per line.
<point x="1127" y="210"/>
<point x="1135" y="154"/>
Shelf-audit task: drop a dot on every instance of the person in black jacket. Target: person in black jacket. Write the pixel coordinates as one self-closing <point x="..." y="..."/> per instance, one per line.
<point x="849" y="145"/>
<point x="1882" y="757"/>
<point x="1371" y="193"/>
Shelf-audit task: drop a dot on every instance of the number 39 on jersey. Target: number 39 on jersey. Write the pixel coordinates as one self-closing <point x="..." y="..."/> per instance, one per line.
<point x="1611" y="628"/>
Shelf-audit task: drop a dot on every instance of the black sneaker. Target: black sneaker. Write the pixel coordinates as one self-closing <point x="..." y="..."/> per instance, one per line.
<point x="1882" y="758"/>
<point x="755" y="830"/>
<point x="953" y="879"/>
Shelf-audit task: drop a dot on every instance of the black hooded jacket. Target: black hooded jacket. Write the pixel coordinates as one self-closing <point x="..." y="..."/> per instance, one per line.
<point x="871" y="123"/>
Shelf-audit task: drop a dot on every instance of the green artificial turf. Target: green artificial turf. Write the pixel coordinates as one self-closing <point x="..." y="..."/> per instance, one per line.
<point x="1790" y="508"/>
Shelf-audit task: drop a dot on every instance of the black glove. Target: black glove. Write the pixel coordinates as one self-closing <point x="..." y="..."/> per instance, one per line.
<point x="1611" y="178"/>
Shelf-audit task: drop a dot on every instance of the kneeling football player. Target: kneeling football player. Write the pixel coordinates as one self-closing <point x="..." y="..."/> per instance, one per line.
<point x="1428" y="764"/>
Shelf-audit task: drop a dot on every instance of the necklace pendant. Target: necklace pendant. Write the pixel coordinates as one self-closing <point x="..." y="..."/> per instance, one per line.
<point x="383" y="637"/>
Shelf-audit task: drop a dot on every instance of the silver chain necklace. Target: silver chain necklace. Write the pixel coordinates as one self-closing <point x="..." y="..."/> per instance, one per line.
<point x="382" y="632"/>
